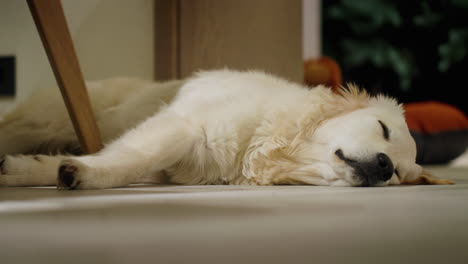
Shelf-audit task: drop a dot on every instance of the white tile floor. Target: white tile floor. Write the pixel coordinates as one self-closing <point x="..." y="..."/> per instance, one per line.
<point x="238" y="224"/>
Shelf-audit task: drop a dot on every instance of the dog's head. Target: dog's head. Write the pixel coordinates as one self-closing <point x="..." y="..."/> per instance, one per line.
<point x="370" y="146"/>
<point x="352" y="139"/>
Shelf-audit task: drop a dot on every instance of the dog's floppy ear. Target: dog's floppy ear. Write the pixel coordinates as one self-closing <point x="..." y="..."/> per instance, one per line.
<point x="265" y="159"/>
<point x="272" y="161"/>
<point x="423" y="177"/>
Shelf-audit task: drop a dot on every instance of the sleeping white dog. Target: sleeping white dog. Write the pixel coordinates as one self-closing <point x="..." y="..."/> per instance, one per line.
<point x="219" y="127"/>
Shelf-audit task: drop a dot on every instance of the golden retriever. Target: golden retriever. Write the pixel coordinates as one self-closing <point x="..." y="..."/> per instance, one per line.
<point x="218" y="127"/>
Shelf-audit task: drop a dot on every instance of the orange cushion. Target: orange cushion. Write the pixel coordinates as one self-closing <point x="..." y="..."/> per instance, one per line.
<point x="434" y="117"/>
<point x="323" y="70"/>
<point x="440" y="131"/>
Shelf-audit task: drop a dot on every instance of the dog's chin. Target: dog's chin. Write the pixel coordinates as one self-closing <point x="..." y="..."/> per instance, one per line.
<point x="350" y="179"/>
<point x="344" y="175"/>
<point x="340" y="183"/>
<point x="361" y="181"/>
<point x="340" y="176"/>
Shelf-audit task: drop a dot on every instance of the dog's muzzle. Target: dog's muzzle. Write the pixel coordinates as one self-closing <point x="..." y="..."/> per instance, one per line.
<point x="371" y="172"/>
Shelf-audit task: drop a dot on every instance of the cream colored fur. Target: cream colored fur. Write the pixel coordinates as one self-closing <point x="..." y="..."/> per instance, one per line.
<point x="220" y="127"/>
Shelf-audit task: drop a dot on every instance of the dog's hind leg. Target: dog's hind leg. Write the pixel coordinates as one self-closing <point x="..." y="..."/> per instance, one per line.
<point x="29" y="170"/>
<point x="151" y="147"/>
<point x="20" y="134"/>
<point x="19" y="140"/>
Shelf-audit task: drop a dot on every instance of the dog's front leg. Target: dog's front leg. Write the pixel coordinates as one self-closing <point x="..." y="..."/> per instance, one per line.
<point x="154" y="145"/>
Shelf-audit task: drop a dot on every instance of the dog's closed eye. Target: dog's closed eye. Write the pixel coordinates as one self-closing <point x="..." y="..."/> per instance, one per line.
<point x="386" y="131"/>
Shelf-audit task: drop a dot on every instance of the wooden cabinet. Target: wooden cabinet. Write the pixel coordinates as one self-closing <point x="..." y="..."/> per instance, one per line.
<point x="194" y="35"/>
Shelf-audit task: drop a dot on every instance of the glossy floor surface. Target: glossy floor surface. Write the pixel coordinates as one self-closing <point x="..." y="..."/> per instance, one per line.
<point x="238" y="224"/>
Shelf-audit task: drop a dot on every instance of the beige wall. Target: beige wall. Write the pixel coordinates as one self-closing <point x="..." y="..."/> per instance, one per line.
<point x="112" y="38"/>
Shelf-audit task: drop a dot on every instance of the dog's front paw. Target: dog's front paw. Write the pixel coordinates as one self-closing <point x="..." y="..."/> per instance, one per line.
<point x="70" y="175"/>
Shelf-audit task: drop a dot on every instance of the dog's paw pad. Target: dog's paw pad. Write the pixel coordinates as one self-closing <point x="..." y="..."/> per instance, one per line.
<point x="68" y="176"/>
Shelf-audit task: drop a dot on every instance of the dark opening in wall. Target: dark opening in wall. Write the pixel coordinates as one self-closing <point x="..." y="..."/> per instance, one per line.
<point x="7" y="75"/>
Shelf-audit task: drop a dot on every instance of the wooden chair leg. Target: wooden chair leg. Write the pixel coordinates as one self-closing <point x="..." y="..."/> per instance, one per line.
<point x="52" y="26"/>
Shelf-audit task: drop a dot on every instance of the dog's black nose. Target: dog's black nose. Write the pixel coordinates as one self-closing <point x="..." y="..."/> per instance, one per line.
<point x="372" y="171"/>
<point x="384" y="166"/>
<point x="376" y="170"/>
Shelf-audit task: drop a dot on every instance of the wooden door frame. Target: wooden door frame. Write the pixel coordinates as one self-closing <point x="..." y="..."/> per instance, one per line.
<point x="167" y="39"/>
